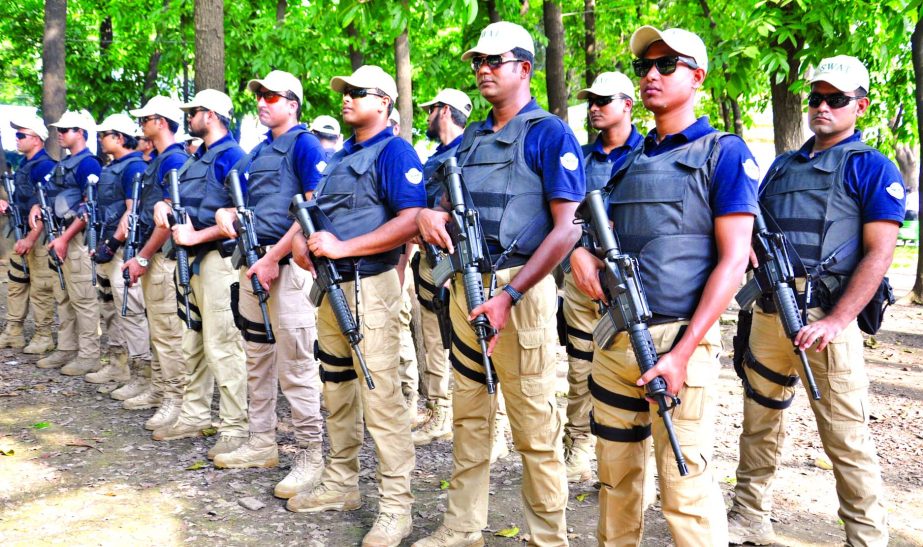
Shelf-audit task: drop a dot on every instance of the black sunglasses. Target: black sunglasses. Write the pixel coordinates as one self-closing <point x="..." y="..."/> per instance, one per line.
<point x="359" y="92"/>
<point x="63" y="130"/>
<point x="492" y="61"/>
<point x="665" y="65"/>
<point x="146" y="119"/>
<point x="433" y="107"/>
<point x="833" y="100"/>
<point x="192" y="112"/>
<point x="104" y="134"/>
<point x="21" y="136"/>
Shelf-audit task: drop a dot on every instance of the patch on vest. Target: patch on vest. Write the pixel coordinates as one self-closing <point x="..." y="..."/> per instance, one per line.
<point x="48" y="177"/>
<point x="414" y="176"/>
<point x="896" y="190"/>
<point x="751" y="169"/>
<point x="569" y="161"/>
<point x="92" y="179"/>
<point x="321" y="165"/>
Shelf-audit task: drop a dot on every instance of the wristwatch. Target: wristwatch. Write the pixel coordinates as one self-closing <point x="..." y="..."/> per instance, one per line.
<point x="514" y="294"/>
<point x="143" y="262"/>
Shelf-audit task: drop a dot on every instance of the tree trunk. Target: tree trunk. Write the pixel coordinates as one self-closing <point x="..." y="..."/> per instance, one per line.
<point x="356" y="57"/>
<point x="404" y="89"/>
<point x="738" y="118"/>
<point x="209" y="45"/>
<point x="554" y="59"/>
<point x="916" y="54"/>
<point x="906" y="158"/>
<point x="589" y="40"/>
<point x="492" y="12"/>
<point x="54" y="88"/>
<point x="786" y="105"/>
<point x="150" y="77"/>
<point x="281" y="8"/>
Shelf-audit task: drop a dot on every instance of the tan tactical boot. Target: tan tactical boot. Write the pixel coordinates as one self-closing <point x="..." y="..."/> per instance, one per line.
<point x="79" y="366"/>
<point x="499" y="449"/>
<point x="40" y="343"/>
<point x="410" y="399"/>
<point x="166" y="414"/>
<point x="754" y="530"/>
<point x="306" y="471"/>
<point x="180" y="430"/>
<point x="260" y="451"/>
<point x="388" y="531"/>
<point x="320" y="498"/>
<point x="57" y="359"/>
<point x="225" y="445"/>
<point x="446" y="537"/>
<point x="422" y="417"/>
<point x="136" y="386"/>
<point x="116" y="371"/>
<point x="577" y="458"/>
<point x="439" y="428"/>
<point x="12" y="336"/>
<point x="149" y="398"/>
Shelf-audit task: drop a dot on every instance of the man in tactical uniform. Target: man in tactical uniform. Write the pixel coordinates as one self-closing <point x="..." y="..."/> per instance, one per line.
<point x="696" y="240"/>
<point x="212" y="347"/>
<point x="38" y="286"/>
<point x="78" y="309"/>
<point x="364" y="236"/>
<point x="286" y="163"/>
<point x="159" y="119"/>
<point x="447" y="115"/>
<point x="129" y="333"/>
<point x="835" y="181"/>
<point x="327" y="131"/>
<point x="523" y="170"/>
<point x="609" y="103"/>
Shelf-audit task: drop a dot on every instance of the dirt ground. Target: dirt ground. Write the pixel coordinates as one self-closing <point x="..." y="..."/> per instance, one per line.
<point x="78" y="469"/>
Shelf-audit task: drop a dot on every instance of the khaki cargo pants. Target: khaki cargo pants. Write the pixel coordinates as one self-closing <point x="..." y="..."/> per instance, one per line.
<point x="38" y="290"/>
<point x="168" y="368"/>
<point x="78" y="308"/>
<point x="130" y="332"/>
<point x="435" y="373"/>
<point x="581" y="314"/>
<point x="842" y="415"/>
<point x="692" y="505"/>
<point x="524" y="365"/>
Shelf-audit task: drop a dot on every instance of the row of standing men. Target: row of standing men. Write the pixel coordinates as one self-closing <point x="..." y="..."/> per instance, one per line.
<point x="682" y="200"/>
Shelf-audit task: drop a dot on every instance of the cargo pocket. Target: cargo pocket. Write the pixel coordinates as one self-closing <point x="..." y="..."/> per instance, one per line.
<point x="380" y="340"/>
<point x="534" y="357"/>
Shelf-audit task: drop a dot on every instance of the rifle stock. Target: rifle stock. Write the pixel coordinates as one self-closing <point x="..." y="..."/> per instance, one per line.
<point x="182" y="253"/>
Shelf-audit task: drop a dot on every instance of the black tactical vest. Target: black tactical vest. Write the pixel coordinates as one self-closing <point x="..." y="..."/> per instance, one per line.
<point x="507" y="193"/>
<point x="808" y="202"/>
<point x="271" y="184"/>
<point x="597" y="170"/>
<point x="201" y="192"/>
<point x="662" y="215"/>
<point x="348" y="197"/>
<point x="111" y="197"/>
<point x="63" y="192"/>
<point x="23" y="187"/>
<point x="434" y="188"/>
<point x="152" y="190"/>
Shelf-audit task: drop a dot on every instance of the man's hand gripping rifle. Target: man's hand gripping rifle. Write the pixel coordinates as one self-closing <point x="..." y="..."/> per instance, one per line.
<point x="51" y="229"/>
<point x="626" y="310"/>
<point x="327" y="283"/>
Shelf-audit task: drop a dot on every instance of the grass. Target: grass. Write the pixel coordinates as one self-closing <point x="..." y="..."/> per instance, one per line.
<point x="905" y="259"/>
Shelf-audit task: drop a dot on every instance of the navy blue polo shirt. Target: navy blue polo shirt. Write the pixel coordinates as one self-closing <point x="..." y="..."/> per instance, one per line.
<point x="88" y="166"/>
<point x="43" y="166"/>
<point x="400" y="184"/>
<point x="128" y="175"/>
<point x="872" y="180"/>
<point x="735" y="180"/>
<point x="618" y="154"/>
<point x="226" y="160"/>
<point x="175" y="161"/>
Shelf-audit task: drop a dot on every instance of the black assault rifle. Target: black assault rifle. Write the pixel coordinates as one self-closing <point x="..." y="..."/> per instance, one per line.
<point x="435" y="256"/>
<point x="17" y="227"/>
<point x="327" y="283"/>
<point x="93" y="223"/>
<point x="469" y="259"/>
<point x="131" y="239"/>
<point x="775" y="278"/>
<point x="247" y="244"/>
<point x="51" y="229"/>
<point x="182" y="253"/>
<point x="627" y="310"/>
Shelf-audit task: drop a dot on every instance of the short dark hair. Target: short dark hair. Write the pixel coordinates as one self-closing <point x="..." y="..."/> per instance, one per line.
<point x="458" y="118"/>
<point x="171" y="125"/>
<point x="128" y="141"/>
<point x="525" y="55"/>
<point x="86" y="135"/>
<point x="224" y="121"/>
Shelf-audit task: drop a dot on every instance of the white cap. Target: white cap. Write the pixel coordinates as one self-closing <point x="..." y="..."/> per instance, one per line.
<point x="182" y="136"/>
<point x="452" y="97"/>
<point x="367" y="77"/>
<point x="325" y="124"/>
<point x="31" y="122"/>
<point x="842" y="72"/>
<point x="118" y="122"/>
<point x="279" y="81"/>
<point x="160" y="105"/>
<point x="609" y="84"/>
<point x="394" y="117"/>
<point x="679" y="40"/>
<point x="195" y="141"/>
<point x="213" y="100"/>
<point x="500" y="37"/>
<point x="81" y="119"/>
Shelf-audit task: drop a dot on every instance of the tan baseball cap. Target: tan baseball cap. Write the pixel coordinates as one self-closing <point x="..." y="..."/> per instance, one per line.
<point x="609" y="84"/>
<point x="679" y="40"/>
<point x="456" y="99"/>
<point x="118" y="122"/>
<point x="367" y="77"/>
<point x="160" y="105"/>
<point x="500" y="37"/>
<point x="279" y="81"/>
<point x="843" y="72"/>
<point x="72" y="118"/>
<point x="31" y="122"/>
<point x="213" y="100"/>
<point x="325" y="124"/>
